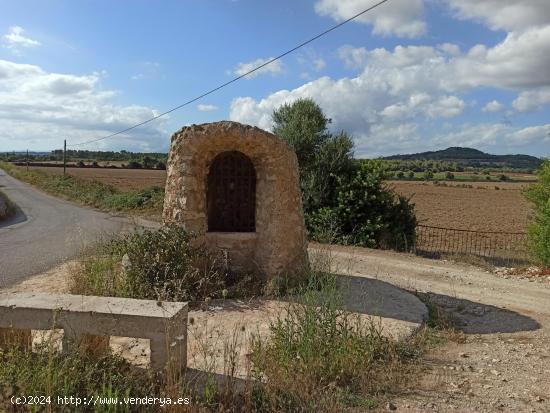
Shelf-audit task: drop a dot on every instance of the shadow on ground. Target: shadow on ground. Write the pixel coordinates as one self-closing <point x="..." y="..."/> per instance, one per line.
<point x="476" y="318"/>
<point x="381" y="299"/>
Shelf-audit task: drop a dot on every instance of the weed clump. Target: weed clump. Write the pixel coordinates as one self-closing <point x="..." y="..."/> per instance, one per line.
<point x="164" y="264"/>
<point x="320" y="357"/>
<point x="49" y="374"/>
<point x="7" y="207"/>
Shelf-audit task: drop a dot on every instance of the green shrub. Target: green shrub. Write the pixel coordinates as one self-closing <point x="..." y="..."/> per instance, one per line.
<point x="345" y="200"/>
<point x="539" y="231"/>
<point x="367" y="213"/>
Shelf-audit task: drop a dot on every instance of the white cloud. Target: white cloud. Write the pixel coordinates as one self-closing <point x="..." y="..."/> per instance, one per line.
<point x="520" y="60"/>
<point x="532" y="99"/>
<point x="310" y="60"/>
<point x="15" y="39"/>
<point x="509" y="15"/>
<point x="493" y="106"/>
<point x="319" y="63"/>
<point x="39" y="109"/>
<point x="206" y="108"/>
<point x="274" y="68"/>
<point x="353" y="57"/>
<point x="415" y="85"/>
<point x="489" y="135"/>
<point x="402" y="18"/>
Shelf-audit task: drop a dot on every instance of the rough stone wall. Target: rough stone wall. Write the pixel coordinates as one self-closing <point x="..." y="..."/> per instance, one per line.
<point x="279" y="244"/>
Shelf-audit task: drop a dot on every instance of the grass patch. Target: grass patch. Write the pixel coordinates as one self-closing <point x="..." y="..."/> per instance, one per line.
<point x="7" y="207"/>
<point x="46" y="373"/>
<point x="92" y="193"/>
<point x="320" y="357"/>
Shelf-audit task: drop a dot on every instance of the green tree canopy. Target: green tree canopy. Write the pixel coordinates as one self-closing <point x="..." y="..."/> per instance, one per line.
<point x="539" y="230"/>
<point x="344" y="199"/>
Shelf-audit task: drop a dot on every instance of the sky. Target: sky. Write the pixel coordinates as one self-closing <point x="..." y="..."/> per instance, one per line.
<point x="410" y="76"/>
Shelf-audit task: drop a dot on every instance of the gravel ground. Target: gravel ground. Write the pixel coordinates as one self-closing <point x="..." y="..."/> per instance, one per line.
<point x="503" y="365"/>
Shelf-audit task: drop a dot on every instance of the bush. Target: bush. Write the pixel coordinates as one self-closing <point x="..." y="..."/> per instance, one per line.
<point x="503" y="177"/>
<point x="344" y="199"/>
<point x="367" y="213"/>
<point x="164" y="264"/>
<point x="450" y="176"/>
<point x="539" y="231"/>
<point x="134" y="165"/>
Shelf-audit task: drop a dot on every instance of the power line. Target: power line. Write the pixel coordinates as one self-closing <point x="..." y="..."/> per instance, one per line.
<point x="236" y="78"/>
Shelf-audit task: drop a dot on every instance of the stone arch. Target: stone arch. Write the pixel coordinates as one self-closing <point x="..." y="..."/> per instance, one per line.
<point x="278" y="243"/>
<point x="231" y="193"/>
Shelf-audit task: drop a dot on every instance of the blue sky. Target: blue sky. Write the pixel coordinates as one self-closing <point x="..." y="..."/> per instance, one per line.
<point x="413" y="75"/>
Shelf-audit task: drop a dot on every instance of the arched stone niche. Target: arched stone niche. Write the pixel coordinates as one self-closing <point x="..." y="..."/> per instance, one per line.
<point x="209" y="161"/>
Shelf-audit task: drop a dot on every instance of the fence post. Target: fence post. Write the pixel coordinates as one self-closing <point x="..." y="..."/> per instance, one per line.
<point x="64" y="157"/>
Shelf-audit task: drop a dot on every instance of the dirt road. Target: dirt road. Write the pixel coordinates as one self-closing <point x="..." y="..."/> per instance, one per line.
<point x="504" y="363"/>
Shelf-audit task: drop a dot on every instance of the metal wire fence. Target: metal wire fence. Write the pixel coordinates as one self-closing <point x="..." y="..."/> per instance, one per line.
<point x="500" y="248"/>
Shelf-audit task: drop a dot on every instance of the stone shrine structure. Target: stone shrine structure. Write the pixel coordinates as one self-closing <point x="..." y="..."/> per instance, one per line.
<point x="237" y="187"/>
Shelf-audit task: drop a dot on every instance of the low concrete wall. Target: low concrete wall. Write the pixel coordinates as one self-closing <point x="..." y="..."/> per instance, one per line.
<point x="90" y="321"/>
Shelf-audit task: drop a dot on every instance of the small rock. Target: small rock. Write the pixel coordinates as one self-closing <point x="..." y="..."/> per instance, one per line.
<point x="391" y="406"/>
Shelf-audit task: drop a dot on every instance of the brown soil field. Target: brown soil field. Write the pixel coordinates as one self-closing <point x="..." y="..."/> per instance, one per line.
<point x="480" y="208"/>
<point x="124" y="179"/>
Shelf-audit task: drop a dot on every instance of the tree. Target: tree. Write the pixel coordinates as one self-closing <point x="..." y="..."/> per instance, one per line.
<point x="344" y="199"/>
<point x="304" y="126"/>
<point x="539" y="230"/>
<point x="321" y="156"/>
<point x="149" y="162"/>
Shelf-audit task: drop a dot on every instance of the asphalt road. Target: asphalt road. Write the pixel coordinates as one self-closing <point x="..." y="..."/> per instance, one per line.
<point x="48" y="231"/>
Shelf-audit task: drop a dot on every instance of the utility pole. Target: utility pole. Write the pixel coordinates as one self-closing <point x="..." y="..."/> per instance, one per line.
<point x="27" y="160"/>
<point x="64" y="157"/>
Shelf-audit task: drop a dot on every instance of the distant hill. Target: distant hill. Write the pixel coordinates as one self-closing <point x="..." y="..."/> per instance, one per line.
<point x="472" y="157"/>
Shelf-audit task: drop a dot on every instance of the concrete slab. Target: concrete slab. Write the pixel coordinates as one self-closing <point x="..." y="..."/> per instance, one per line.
<point x="89" y="321"/>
